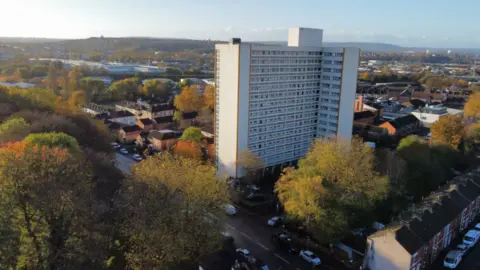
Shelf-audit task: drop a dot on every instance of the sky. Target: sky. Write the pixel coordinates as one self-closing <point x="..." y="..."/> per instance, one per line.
<point x="418" y="23"/>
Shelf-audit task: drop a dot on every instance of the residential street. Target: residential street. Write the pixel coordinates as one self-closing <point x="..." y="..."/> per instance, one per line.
<point x="253" y="233"/>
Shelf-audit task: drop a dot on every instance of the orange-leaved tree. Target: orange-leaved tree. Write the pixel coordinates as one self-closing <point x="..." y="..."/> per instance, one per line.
<point x="472" y="107"/>
<point x="209" y="97"/>
<point x="189" y="100"/>
<point x="188" y="149"/>
<point x="448" y="130"/>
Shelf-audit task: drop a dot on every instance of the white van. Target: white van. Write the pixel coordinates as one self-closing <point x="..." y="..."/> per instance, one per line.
<point x="453" y="258"/>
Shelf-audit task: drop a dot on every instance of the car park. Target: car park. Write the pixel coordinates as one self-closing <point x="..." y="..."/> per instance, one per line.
<point x="230" y="210"/>
<point x="471" y="238"/>
<point x="453" y="259"/>
<point x="137" y="157"/>
<point x="274" y="221"/>
<point x="124" y="151"/>
<point x="311" y="258"/>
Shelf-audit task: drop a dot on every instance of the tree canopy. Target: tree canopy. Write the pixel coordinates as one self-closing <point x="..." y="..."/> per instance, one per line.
<point x="171" y="211"/>
<point x="189" y="100"/>
<point x="472" y="107"/>
<point x="52" y="140"/>
<point x="13" y="129"/>
<point x="251" y="164"/>
<point x="209" y="97"/>
<point x="334" y="188"/>
<point x="124" y="89"/>
<point x="448" y="130"/>
<point x="157" y="88"/>
<point x="192" y="134"/>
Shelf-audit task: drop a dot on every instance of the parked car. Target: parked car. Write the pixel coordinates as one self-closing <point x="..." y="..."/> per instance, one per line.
<point x="463" y="248"/>
<point x="230" y="210"/>
<point x="115" y="145"/>
<point x="137" y="157"/>
<point x="453" y="259"/>
<point x="477" y="227"/>
<point x="311" y="258"/>
<point x="243" y="251"/>
<point x="254" y="187"/>
<point x="124" y="151"/>
<point x="274" y="221"/>
<point x="471" y="237"/>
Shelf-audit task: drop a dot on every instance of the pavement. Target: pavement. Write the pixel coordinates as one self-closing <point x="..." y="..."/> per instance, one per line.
<point x="124" y="162"/>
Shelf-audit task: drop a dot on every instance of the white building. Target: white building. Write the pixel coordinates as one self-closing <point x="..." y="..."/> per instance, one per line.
<point x="430" y="115"/>
<point x="275" y="100"/>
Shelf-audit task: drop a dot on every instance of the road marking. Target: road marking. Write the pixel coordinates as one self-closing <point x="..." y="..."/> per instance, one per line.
<point x="278" y="256"/>
<point x="246" y="236"/>
<point x="230" y="226"/>
<point x="262" y="246"/>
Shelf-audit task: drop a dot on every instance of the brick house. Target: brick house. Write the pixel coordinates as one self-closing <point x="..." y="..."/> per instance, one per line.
<point x="129" y="134"/>
<point x="162" y="140"/>
<point x="188" y="119"/>
<point x="416" y="238"/>
<point x="146" y="124"/>
<point x="123" y="118"/>
<point x="163" y="122"/>
<point x="402" y="126"/>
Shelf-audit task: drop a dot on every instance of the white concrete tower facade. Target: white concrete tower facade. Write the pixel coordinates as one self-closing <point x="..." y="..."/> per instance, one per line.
<point x="275" y="100"/>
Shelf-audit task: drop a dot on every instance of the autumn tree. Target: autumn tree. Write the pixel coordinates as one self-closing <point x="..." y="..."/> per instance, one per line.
<point x="448" y="130"/>
<point x="251" y="164"/>
<point x="189" y="100"/>
<point x="472" y="107"/>
<point x="189" y="149"/>
<point x="52" y="77"/>
<point x="171" y="205"/>
<point x="334" y="188"/>
<point x="192" y="134"/>
<point x="209" y="97"/>
<point x="74" y="76"/>
<point x="15" y="128"/>
<point x="77" y="99"/>
<point x="49" y="228"/>
<point x="365" y="76"/>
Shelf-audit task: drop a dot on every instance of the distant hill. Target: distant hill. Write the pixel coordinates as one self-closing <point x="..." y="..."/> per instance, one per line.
<point x="173" y="44"/>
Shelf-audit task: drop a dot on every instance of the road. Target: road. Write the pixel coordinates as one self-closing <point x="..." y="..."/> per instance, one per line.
<point x="250" y="232"/>
<point x="471" y="260"/>
<point x="124" y="162"/>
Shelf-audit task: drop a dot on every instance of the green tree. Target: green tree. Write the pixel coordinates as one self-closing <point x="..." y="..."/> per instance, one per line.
<point x="61" y="140"/>
<point x="170" y="204"/>
<point x="14" y="129"/>
<point x="157" y="88"/>
<point x="448" y="130"/>
<point x="74" y="77"/>
<point x="94" y="89"/>
<point x="124" y="89"/>
<point x="407" y="141"/>
<point x="334" y="189"/>
<point x="192" y="134"/>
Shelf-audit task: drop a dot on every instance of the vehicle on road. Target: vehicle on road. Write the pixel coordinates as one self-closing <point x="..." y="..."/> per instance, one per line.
<point x="311" y="258"/>
<point x="284" y="241"/>
<point x="463" y="248"/>
<point x="253" y="187"/>
<point x="115" y="145"/>
<point x="477" y="227"/>
<point x="471" y="237"/>
<point x="124" y="151"/>
<point x="453" y="259"/>
<point x="137" y="157"/>
<point x="230" y="210"/>
<point x="243" y="251"/>
<point x="274" y="221"/>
